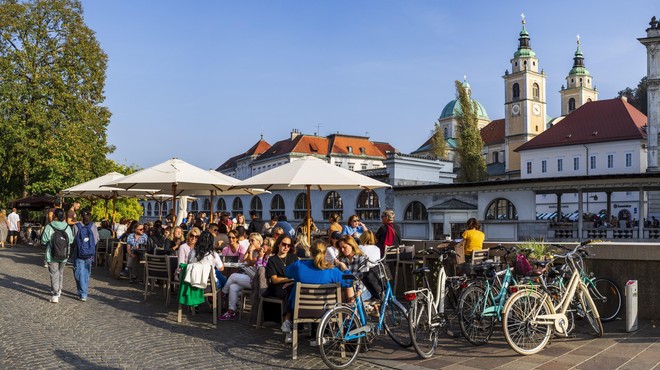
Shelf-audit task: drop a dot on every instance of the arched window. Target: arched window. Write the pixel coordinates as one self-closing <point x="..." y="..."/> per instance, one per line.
<point x="165" y="206"/>
<point x="536" y="91"/>
<point x="416" y="212"/>
<point x="277" y="206"/>
<point x="237" y="207"/>
<point x="333" y="204"/>
<point x="221" y="206"/>
<point x="207" y="205"/>
<point x="255" y="205"/>
<point x="501" y="209"/>
<point x="446" y="132"/>
<point x="300" y="207"/>
<point x="156" y="208"/>
<point x="194" y="206"/>
<point x="144" y="209"/>
<point x="368" y="205"/>
<point x="149" y="209"/>
<point x="571" y="104"/>
<point x="516" y="91"/>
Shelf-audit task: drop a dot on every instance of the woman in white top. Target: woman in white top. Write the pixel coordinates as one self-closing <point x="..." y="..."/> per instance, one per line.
<point x="369" y="247"/>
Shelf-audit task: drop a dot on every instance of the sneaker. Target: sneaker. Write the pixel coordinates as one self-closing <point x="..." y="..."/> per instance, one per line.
<point x="227" y="316"/>
<point x="314" y="343"/>
<point x="288" y="338"/>
<point x="54" y="299"/>
<point x="287" y="327"/>
<point x="83" y="299"/>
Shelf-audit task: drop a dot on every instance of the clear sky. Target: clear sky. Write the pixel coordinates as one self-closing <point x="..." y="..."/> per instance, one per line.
<point x="202" y="80"/>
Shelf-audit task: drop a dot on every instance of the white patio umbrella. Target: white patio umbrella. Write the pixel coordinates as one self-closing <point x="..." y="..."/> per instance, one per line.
<point x="175" y="176"/>
<point x="94" y="189"/>
<point x="307" y="173"/>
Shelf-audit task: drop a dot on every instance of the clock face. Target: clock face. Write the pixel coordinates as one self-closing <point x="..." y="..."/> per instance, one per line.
<point x="536" y="109"/>
<point x="515" y="109"/>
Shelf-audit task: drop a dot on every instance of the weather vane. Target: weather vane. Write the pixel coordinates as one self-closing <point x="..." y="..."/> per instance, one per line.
<point x="522" y="15"/>
<point x="578" y="39"/>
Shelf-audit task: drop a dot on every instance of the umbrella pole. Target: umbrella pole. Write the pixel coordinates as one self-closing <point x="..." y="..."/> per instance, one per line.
<point x="174" y="215"/>
<point x="160" y="210"/>
<point x="309" y="205"/>
<point x="106" y="208"/>
<point x="211" y="207"/>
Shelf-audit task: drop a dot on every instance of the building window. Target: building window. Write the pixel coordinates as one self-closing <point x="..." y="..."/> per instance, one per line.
<point x="256" y="206"/>
<point x="576" y="163"/>
<point x="628" y="159"/>
<point x="237" y="207"/>
<point x="194" y="206"/>
<point x="560" y="164"/>
<point x="501" y="209"/>
<point x="571" y="104"/>
<point x="536" y="91"/>
<point x="351" y="166"/>
<point x="416" y="212"/>
<point x="446" y="132"/>
<point x="364" y="166"/>
<point x="350" y="149"/>
<point x="516" y="91"/>
<point x="496" y="157"/>
<point x="529" y="167"/>
<point x="148" y="209"/>
<point x="544" y="166"/>
<point x="207" y="205"/>
<point x="221" y="206"/>
<point x="592" y="162"/>
<point x="610" y="161"/>
<point x="368" y="205"/>
<point x="333" y="204"/>
<point x="338" y="164"/>
<point x="300" y="207"/>
<point x="277" y="206"/>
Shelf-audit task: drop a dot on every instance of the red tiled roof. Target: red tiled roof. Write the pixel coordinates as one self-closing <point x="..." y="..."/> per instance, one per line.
<point x="302" y="144"/>
<point x="256" y="149"/>
<point x="493" y="133"/>
<point x="339" y="144"/>
<point x="385" y="147"/>
<point x="594" y="122"/>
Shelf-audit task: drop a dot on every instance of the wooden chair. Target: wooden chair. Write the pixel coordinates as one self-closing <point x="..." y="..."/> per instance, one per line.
<point x="157" y="268"/>
<point x="211" y="292"/>
<point x="260" y="311"/>
<point x="478" y="256"/>
<point x="405" y="265"/>
<point x="102" y="249"/>
<point x="245" y="297"/>
<point x="311" y="302"/>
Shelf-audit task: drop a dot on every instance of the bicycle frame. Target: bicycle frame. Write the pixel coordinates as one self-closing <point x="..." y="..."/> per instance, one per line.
<point x="500" y="299"/>
<point x="437" y="304"/>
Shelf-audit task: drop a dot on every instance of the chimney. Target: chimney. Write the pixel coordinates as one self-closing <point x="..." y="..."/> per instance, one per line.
<point x="295" y="133"/>
<point x="624" y="98"/>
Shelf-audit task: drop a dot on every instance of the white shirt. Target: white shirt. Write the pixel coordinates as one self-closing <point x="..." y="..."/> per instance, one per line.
<point x="372" y="252"/>
<point x="331" y="254"/>
<point x="13" y="220"/>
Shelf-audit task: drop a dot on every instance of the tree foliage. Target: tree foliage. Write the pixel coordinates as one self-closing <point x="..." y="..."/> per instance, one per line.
<point x="439" y="142"/>
<point x="637" y="97"/>
<point x="52" y="75"/>
<point x="124" y="208"/>
<point x="472" y="166"/>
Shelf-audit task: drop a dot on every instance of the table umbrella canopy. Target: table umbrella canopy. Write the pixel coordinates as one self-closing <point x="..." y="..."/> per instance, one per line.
<point x="310" y="173"/>
<point x="94" y="189"/>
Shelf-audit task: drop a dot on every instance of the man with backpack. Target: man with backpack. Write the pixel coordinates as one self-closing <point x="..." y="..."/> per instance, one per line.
<point x="87" y="236"/>
<point x="57" y="237"/>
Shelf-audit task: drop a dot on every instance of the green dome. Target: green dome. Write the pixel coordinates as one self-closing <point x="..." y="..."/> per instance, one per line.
<point x="454" y="109"/>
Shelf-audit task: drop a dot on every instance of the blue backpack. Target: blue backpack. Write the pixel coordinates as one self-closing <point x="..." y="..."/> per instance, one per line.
<point x="85" y="243"/>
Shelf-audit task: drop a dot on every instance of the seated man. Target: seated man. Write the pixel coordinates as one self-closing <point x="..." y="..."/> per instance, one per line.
<point x="134" y="242"/>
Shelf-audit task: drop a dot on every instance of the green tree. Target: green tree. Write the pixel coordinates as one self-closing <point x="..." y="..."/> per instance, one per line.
<point x="637" y="97"/>
<point x="52" y="75"/>
<point x="439" y="142"/>
<point x="472" y="166"/>
<point x="128" y="208"/>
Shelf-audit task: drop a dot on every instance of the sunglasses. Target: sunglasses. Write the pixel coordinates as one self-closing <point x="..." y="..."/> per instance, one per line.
<point x="285" y="245"/>
<point x="232" y="237"/>
<point x="139" y="229"/>
<point x="193" y="236"/>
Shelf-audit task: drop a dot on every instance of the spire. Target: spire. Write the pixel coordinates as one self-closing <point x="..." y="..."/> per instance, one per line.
<point x="578" y="61"/>
<point x="524" y="44"/>
<point x="466" y="86"/>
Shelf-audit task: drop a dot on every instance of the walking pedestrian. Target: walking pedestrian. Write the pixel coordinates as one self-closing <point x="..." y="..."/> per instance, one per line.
<point x="87" y="237"/>
<point x="57" y="237"/>
<point x="14" y="226"/>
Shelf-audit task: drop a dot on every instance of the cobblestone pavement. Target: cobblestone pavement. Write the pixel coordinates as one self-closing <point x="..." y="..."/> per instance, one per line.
<point x="116" y="329"/>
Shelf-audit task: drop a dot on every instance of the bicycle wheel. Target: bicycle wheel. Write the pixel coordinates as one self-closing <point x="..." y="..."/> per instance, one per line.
<point x="607" y="297"/>
<point x="475" y="327"/>
<point x="423" y="334"/>
<point x="522" y="332"/>
<point x="396" y="323"/>
<point x="336" y="351"/>
<point x="591" y="313"/>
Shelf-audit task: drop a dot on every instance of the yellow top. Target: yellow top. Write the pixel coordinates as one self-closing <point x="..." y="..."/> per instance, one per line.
<point x="474" y="240"/>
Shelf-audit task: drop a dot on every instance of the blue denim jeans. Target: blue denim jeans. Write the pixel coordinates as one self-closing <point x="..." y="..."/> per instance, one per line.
<point x="82" y="274"/>
<point x="220" y="280"/>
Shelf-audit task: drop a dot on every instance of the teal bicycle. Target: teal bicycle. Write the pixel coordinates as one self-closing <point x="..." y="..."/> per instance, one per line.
<point x="347" y="329"/>
<point x="481" y="304"/>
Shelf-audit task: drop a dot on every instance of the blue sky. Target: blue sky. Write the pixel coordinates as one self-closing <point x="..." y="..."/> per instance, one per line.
<point x="202" y="80"/>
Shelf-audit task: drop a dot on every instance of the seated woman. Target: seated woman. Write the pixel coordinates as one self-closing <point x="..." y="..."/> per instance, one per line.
<point x="302" y="227"/>
<point x="205" y="253"/>
<point x="280" y="285"/>
<point x="354" y="228"/>
<point x="334" y="224"/>
<point x="234" y="248"/>
<point x="474" y="238"/>
<point x="173" y="241"/>
<point x="317" y="271"/>
<point x="256" y="254"/>
<point x="352" y="259"/>
<point x="184" y="250"/>
<point x="370" y="249"/>
<point x="302" y="246"/>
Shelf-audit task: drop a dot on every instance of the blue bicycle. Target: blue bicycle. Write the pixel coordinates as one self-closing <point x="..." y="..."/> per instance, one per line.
<point x="346" y="329"/>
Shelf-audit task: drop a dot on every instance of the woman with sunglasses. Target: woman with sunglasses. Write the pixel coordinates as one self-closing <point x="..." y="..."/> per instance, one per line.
<point x="184" y="249"/>
<point x="354" y="228"/>
<point x="280" y="286"/>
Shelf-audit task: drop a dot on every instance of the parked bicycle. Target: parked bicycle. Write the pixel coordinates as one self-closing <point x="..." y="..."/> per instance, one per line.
<point x="427" y="314"/>
<point x="530" y="316"/>
<point x="346" y="329"/>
